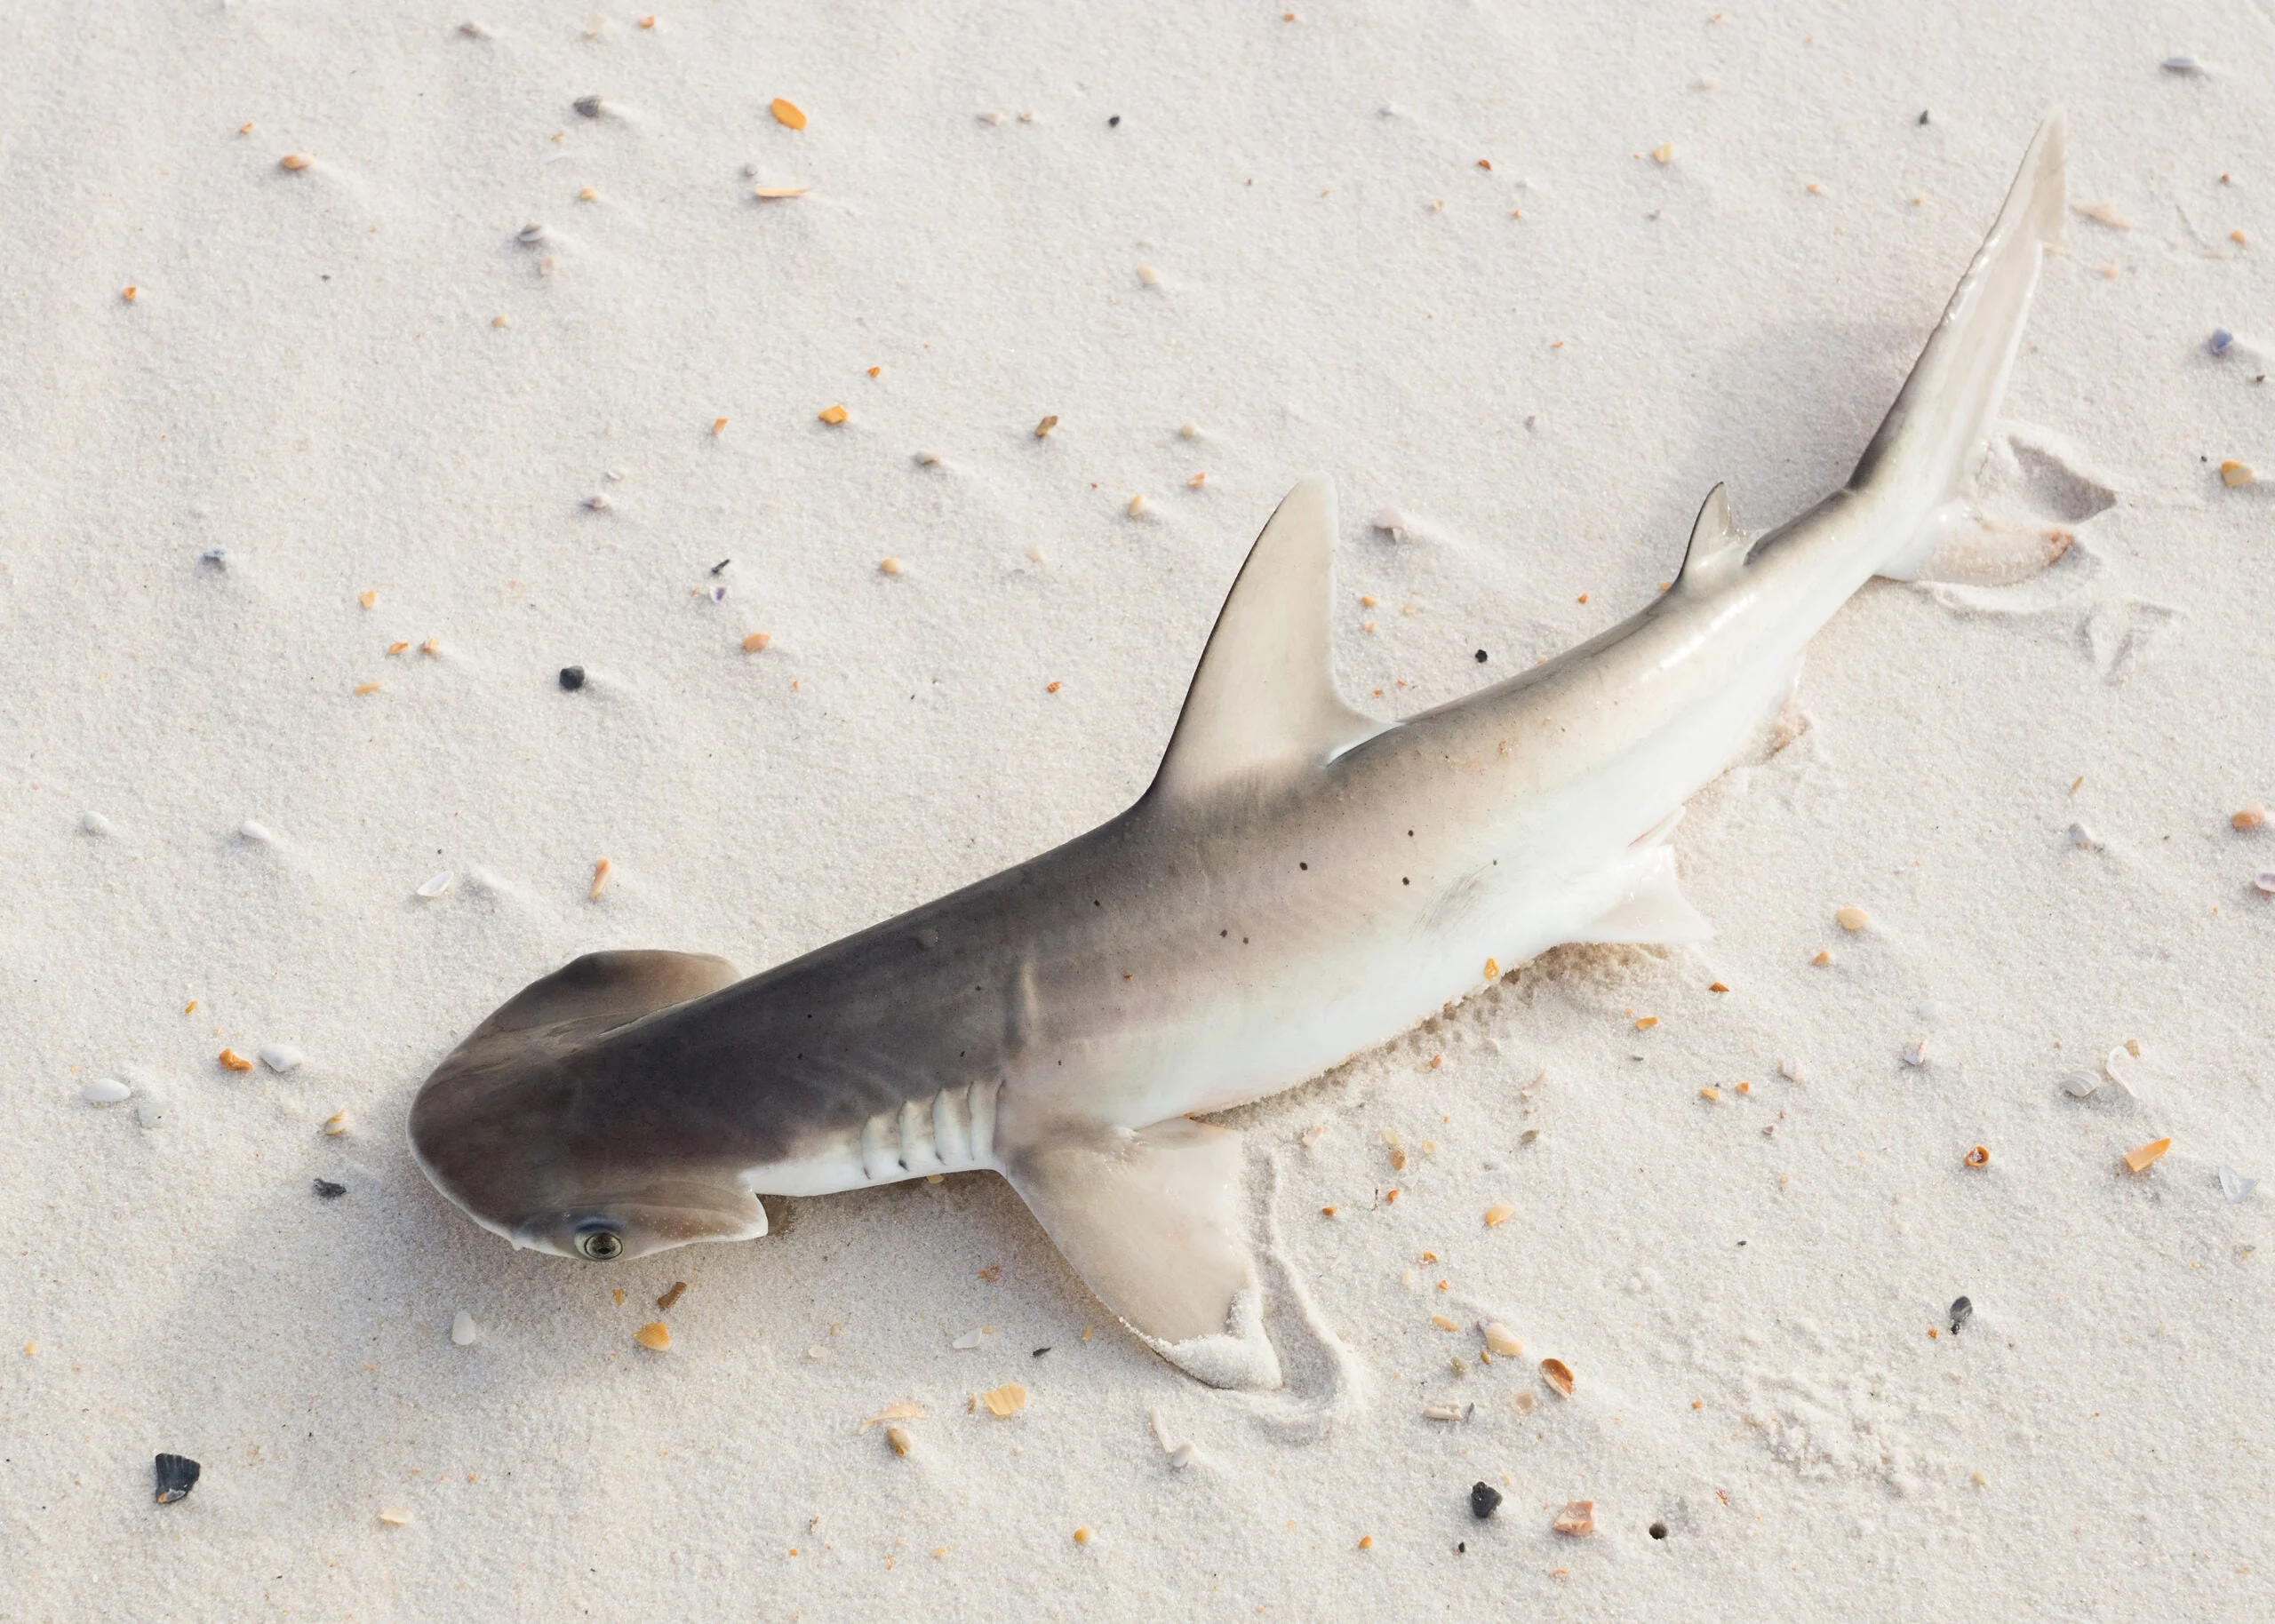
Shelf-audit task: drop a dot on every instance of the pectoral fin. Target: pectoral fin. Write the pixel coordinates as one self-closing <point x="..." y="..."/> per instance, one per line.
<point x="1150" y="1219"/>
<point x="1650" y="907"/>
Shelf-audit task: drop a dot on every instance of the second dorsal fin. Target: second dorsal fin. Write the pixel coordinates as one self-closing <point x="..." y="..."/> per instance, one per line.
<point x="1264" y="701"/>
<point x="1715" y="548"/>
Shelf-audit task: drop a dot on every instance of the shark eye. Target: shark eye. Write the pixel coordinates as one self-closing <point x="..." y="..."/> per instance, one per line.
<point x="601" y="1245"/>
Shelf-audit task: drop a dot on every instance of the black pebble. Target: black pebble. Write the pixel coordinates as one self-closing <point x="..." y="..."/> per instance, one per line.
<point x="1923" y="116"/>
<point x="1115" y="123"/>
<point x="328" y="1190"/>
<point x="1480" y="656"/>
<point x="573" y="678"/>
<point x="176" y="1476"/>
<point x="1962" y="1311"/>
<point x="588" y="106"/>
<point x="1041" y="1351"/>
<point x="1658" y="1531"/>
<point x="1484" y="1500"/>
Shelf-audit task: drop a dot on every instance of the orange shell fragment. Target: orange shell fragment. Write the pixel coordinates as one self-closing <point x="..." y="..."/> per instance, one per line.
<point x="656" y="1336"/>
<point x="2140" y="1160"/>
<point x="787" y="113"/>
<point x="234" y="1062"/>
<point x="1558" y="1375"/>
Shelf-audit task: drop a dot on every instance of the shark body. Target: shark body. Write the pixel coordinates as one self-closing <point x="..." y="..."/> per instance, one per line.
<point x="1299" y="884"/>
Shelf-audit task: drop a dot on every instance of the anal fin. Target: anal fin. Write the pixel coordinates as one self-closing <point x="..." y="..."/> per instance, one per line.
<point x="1150" y="1219"/>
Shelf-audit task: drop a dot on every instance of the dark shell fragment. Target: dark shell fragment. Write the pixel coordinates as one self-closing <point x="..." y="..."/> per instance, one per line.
<point x="176" y="1477"/>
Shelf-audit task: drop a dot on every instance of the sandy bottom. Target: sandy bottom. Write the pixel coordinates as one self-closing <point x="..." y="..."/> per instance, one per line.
<point x="1704" y="249"/>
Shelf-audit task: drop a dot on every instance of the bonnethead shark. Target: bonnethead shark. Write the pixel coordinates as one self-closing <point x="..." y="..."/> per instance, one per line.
<point x="1300" y="883"/>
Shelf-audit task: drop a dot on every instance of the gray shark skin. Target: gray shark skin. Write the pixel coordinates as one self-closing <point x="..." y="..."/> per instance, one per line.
<point x="1299" y="884"/>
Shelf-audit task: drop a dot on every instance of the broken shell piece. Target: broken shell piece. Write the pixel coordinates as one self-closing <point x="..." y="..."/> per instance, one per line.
<point x="335" y="1124"/>
<point x="1852" y="919"/>
<point x="898" y="1439"/>
<point x="2120" y="1069"/>
<point x="395" y="1517"/>
<point x="1501" y="1340"/>
<point x="1790" y="1070"/>
<point x="2233" y="473"/>
<point x="655" y="1336"/>
<point x="905" y="1410"/>
<point x="231" y="1061"/>
<point x="1006" y="1401"/>
<point x="1578" y="1519"/>
<point x="2082" y="837"/>
<point x="532" y="234"/>
<point x="2234" y="1185"/>
<point x="2265" y="882"/>
<point x="257" y="832"/>
<point x="1497" y="1215"/>
<point x="104" y="1091"/>
<point x="1979" y="1156"/>
<point x="2251" y="818"/>
<point x="437" y="884"/>
<point x="464" y="1332"/>
<point x="2078" y="1085"/>
<point x="757" y="642"/>
<point x="1445" y="1323"/>
<point x="174" y="1477"/>
<point x="96" y="823"/>
<point x="771" y="192"/>
<point x="1442" y="1411"/>
<point x="965" y="1343"/>
<point x="281" y="1057"/>
<point x="833" y="415"/>
<point x="1915" y="1053"/>
<point x="1390" y="522"/>
<point x="295" y="160"/>
<point x="601" y="869"/>
<point x="2140" y="1160"/>
<point x="1557" y="1374"/>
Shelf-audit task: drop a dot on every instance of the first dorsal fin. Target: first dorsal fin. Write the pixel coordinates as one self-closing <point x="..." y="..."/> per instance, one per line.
<point x="1264" y="701"/>
<point x="1715" y="548"/>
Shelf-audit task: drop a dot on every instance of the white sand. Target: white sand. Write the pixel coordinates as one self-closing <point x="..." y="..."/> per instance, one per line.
<point x="310" y="378"/>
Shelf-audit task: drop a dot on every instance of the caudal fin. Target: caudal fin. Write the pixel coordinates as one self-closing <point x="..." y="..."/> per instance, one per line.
<point x="1935" y="437"/>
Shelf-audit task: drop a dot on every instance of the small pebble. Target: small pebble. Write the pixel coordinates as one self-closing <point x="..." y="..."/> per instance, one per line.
<point x="436" y="885"/>
<point x="1042" y="429"/>
<point x="2222" y="340"/>
<point x="175" y="1477"/>
<point x="1390" y="521"/>
<point x="2265" y="881"/>
<point x="281" y="1057"/>
<point x="231" y="1061"/>
<point x="599" y="503"/>
<point x="1137" y="506"/>
<point x="295" y="161"/>
<point x="257" y="832"/>
<point x="1484" y="1500"/>
<point x="219" y="557"/>
<point x="890" y="566"/>
<point x="104" y="1091"/>
<point x="1659" y="1530"/>
<point x="2251" y="818"/>
<point x="573" y="678"/>
<point x="326" y="1190"/>
<point x="589" y="107"/>
<point x="1962" y="1311"/>
<point x="2187" y="67"/>
<point x="464" y="1332"/>
<point x="834" y="416"/>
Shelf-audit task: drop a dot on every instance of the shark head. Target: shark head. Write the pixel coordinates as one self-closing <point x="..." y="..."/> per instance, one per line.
<point x="534" y="1135"/>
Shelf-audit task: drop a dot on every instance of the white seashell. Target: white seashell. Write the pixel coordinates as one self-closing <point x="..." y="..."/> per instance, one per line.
<point x="2078" y="1085"/>
<point x="1184" y="1455"/>
<point x="104" y="1091"/>
<point x="2234" y="1185"/>
<point x="532" y="234"/>
<point x="257" y="832"/>
<point x="96" y="823"/>
<point x="966" y="1342"/>
<point x="2266" y="882"/>
<point x="436" y="886"/>
<point x="1790" y="1070"/>
<point x="149" y="1112"/>
<point x="2119" y="1069"/>
<point x="1392" y="520"/>
<point x="464" y="1332"/>
<point x="2083" y="838"/>
<point x="1915" y="1053"/>
<point x="1442" y="1411"/>
<point x="336" y="1124"/>
<point x="281" y="1057"/>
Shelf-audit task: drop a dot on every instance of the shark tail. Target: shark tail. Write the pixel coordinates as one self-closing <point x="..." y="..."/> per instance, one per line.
<point x="1929" y="447"/>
